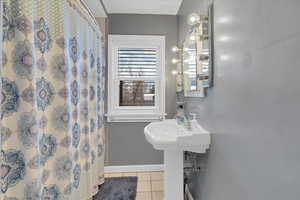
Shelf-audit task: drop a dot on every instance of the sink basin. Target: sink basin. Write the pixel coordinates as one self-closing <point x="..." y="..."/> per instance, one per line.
<point x="169" y="135"/>
<point x="174" y="139"/>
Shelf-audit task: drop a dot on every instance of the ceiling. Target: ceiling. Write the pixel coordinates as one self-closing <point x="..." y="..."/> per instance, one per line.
<point x="157" y="7"/>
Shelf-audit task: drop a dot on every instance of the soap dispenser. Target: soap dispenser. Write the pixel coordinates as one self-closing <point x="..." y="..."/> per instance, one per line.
<point x="193" y="122"/>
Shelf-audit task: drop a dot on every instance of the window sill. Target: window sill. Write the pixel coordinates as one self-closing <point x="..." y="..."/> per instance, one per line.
<point x="135" y="117"/>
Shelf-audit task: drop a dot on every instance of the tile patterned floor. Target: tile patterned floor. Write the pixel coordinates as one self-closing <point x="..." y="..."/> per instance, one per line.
<point x="150" y="184"/>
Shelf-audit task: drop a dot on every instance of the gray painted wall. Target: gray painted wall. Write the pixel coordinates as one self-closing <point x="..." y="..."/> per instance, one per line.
<point x="253" y="110"/>
<point x="126" y="141"/>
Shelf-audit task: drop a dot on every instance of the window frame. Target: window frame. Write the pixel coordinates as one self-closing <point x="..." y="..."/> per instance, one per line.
<point x="118" y="113"/>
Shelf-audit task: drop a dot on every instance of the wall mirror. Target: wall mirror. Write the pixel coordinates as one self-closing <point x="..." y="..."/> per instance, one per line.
<point x="197" y="55"/>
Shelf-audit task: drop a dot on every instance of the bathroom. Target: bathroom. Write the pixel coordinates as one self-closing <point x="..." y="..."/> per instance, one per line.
<point x="149" y="100"/>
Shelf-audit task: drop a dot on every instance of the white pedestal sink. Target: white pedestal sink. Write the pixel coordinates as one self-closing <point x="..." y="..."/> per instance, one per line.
<point x="174" y="139"/>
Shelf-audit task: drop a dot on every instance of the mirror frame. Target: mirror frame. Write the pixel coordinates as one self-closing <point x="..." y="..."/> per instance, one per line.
<point x="201" y="93"/>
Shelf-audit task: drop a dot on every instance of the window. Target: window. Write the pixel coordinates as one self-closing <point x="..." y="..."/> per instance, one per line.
<point x="136" y="78"/>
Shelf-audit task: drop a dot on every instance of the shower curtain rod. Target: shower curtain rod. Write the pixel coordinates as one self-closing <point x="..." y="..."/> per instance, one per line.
<point x="89" y="12"/>
<point x="88" y="9"/>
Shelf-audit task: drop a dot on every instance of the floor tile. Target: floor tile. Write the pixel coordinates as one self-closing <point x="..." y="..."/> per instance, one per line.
<point x="143" y="196"/>
<point x="157" y="195"/>
<point x="157" y="176"/>
<point x="157" y="186"/>
<point x="129" y="174"/>
<point x="110" y="175"/>
<point x="144" y="176"/>
<point x="144" y="186"/>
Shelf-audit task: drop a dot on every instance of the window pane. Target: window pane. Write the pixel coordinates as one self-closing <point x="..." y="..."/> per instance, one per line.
<point x="137" y="62"/>
<point x="137" y="93"/>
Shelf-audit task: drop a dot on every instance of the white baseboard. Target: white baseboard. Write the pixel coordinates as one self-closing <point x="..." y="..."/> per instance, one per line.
<point x="133" y="168"/>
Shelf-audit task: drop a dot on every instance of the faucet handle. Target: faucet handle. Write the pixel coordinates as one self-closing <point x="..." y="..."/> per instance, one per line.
<point x="194" y="115"/>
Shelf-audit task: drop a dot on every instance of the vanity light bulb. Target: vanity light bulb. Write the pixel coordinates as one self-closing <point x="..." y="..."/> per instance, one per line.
<point x="175" y="61"/>
<point x="194" y="19"/>
<point x="174" y="72"/>
<point x="193" y="38"/>
<point x="175" y="49"/>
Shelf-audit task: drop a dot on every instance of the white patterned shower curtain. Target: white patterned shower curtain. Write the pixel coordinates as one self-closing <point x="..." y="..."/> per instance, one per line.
<point x="52" y="101"/>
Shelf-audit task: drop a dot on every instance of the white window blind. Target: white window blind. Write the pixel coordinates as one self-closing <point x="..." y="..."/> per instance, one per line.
<point x="137" y="62"/>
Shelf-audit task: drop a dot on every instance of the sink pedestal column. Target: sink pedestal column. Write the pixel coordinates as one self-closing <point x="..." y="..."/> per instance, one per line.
<point x="173" y="180"/>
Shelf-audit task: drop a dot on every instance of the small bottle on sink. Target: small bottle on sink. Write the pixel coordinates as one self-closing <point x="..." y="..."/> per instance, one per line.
<point x="180" y="116"/>
<point x="193" y="122"/>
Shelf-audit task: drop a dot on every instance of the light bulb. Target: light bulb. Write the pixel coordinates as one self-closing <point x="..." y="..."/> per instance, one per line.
<point x="175" y="61"/>
<point x="175" y="49"/>
<point x="193" y="19"/>
<point x="174" y="72"/>
<point x="193" y="38"/>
